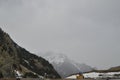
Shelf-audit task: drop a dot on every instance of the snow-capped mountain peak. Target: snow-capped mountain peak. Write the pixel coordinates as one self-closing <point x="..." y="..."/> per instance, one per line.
<point x="55" y="58"/>
<point x="65" y="66"/>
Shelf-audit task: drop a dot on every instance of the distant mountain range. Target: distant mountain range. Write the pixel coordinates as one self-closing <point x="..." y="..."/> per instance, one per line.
<point x="112" y="69"/>
<point x="117" y="68"/>
<point x="15" y="61"/>
<point x="65" y="66"/>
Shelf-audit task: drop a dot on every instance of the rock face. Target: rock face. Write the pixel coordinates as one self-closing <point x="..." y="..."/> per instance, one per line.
<point x="65" y="66"/>
<point x="13" y="57"/>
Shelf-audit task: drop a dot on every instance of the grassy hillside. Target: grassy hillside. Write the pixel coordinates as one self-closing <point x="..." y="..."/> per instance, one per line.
<point x="113" y="69"/>
<point x="13" y="57"/>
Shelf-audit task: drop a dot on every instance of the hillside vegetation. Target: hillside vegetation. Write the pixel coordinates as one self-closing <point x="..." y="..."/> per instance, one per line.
<point x="13" y="57"/>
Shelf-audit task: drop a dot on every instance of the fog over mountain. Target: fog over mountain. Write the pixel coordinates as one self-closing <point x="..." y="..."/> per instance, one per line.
<point x="64" y="65"/>
<point x="85" y="30"/>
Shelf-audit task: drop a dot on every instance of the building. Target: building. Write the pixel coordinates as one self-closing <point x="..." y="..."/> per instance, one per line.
<point x="76" y="76"/>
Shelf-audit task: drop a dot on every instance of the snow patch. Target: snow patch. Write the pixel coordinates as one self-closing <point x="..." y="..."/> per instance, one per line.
<point x="91" y="75"/>
<point x="27" y="62"/>
<point x="71" y="77"/>
<point x="100" y="75"/>
<point x="18" y="74"/>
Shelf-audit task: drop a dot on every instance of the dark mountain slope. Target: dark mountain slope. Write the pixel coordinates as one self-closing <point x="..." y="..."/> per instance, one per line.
<point x="14" y="57"/>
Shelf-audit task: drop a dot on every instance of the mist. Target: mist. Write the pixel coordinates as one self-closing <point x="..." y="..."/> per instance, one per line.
<point x="85" y="30"/>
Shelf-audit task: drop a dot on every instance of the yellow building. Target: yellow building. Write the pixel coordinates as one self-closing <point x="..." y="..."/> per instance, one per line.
<point x="76" y="76"/>
<point x="79" y="76"/>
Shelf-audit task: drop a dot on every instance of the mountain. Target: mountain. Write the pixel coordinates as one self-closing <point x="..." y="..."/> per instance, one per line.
<point x="65" y="66"/>
<point x="17" y="61"/>
<point x="117" y="68"/>
<point x="112" y="69"/>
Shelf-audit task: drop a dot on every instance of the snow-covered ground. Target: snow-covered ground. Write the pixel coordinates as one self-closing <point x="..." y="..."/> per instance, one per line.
<point x="96" y="75"/>
<point x="101" y="75"/>
<point x="71" y="77"/>
<point x="18" y="74"/>
<point x="91" y="75"/>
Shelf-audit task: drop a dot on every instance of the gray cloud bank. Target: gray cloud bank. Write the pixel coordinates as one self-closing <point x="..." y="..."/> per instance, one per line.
<point x="88" y="31"/>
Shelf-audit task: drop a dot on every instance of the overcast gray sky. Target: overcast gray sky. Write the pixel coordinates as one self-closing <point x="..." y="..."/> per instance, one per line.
<point x="88" y="31"/>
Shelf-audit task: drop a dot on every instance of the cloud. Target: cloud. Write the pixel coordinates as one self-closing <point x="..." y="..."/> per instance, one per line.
<point x="87" y="31"/>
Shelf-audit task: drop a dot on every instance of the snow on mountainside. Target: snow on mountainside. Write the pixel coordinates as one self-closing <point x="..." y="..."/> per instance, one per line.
<point x="65" y="66"/>
<point x="56" y="58"/>
<point x="83" y="67"/>
<point x="16" y="61"/>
